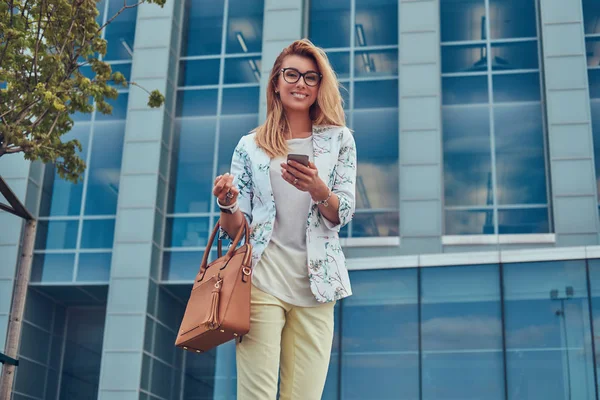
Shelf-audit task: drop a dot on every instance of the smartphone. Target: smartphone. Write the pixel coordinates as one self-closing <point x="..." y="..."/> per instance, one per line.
<point x="299" y="158"/>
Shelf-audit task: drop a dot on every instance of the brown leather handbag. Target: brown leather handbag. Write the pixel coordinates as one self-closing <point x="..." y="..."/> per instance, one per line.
<point x="219" y="306"/>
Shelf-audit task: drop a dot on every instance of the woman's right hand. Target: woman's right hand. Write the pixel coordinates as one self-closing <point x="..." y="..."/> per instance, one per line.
<point x="224" y="190"/>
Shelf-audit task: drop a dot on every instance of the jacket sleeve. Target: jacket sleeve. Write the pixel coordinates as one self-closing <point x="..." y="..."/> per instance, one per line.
<point x="242" y="178"/>
<point x="344" y="181"/>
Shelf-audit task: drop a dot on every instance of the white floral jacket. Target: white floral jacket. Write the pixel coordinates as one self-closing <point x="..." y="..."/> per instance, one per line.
<point x="335" y="159"/>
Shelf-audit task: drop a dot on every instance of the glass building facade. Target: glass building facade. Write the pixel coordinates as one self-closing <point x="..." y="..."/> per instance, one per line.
<point x="475" y="248"/>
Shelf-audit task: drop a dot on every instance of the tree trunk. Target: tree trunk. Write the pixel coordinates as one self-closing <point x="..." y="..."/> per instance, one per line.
<point x="15" y="322"/>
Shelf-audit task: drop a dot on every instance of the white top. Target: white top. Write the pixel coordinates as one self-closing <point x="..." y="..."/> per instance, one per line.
<point x="283" y="268"/>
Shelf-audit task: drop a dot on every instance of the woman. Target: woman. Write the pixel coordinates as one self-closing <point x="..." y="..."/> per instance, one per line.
<point x="295" y="213"/>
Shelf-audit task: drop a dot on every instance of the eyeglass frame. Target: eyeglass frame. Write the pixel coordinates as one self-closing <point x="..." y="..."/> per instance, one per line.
<point x="301" y="75"/>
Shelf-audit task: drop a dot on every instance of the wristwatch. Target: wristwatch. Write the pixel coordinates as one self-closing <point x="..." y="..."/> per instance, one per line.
<point x="228" y="209"/>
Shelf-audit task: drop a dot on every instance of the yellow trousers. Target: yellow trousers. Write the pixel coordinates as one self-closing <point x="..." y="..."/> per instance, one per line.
<point x="285" y="341"/>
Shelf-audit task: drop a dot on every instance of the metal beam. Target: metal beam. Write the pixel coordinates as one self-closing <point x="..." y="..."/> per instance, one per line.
<point x="8" y="360"/>
<point x="15" y="206"/>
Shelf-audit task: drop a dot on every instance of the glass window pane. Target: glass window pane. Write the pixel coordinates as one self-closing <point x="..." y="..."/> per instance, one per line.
<point x="240" y="101"/>
<point x="376" y="224"/>
<point x="374" y="94"/>
<point x="196" y="102"/>
<point x="202" y="27"/>
<point x="194" y="151"/>
<point x="242" y="70"/>
<point x="340" y="62"/>
<point x="592" y="47"/>
<point x="517" y="88"/>
<point x="330" y="23"/>
<point x="594" y="82"/>
<point x="187" y="232"/>
<point x="34" y="343"/>
<point x="595" y="107"/>
<point x="521" y="55"/>
<point x="471" y="58"/>
<point x="181" y="265"/>
<point x="376" y="135"/>
<point x="120" y="33"/>
<point x="462" y="20"/>
<point x="467" y="156"/>
<point x="529" y="220"/>
<point x="376" y="63"/>
<point x="469" y="222"/>
<point x="245" y="26"/>
<point x="591" y="16"/>
<point x="119" y="109"/>
<point x="33" y="386"/>
<point x="331" y="389"/>
<point x="125" y="69"/>
<point x="199" y="72"/>
<point x="376" y="22"/>
<point x="54" y="235"/>
<point x="512" y="19"/>
<point x="385" y="302"/>
<point x="465" y="90"/>
<point x="94" y="267"/>
<point x="104" y="170"/>
<point x="461" y="333"/>
<point x="594" y="278"/>
<point x="231" y="131"/>
<point x="98" y="234"/>
<point x="52" y="267"/>
<point x="345" y="92"/>
<point x="520" y="163"/>
<point x="201" y="373"/>
<point x="548" y="332"/>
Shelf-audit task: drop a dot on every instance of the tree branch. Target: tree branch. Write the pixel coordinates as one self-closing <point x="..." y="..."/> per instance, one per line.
<point x="7" y="42"/>
<point x="125" y="7"/>
<point x="37" y="43"/>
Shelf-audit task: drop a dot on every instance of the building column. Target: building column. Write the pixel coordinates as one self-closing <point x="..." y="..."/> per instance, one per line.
<point x="421" y="174"/>
<point x="130" y="366"/>
<point x="571" y="150"/>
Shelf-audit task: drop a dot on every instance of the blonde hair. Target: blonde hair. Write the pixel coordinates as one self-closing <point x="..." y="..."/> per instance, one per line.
<point x="326" y="110"/>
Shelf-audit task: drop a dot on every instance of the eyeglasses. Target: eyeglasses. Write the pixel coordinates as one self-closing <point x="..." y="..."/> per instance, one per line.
<point x="292" y="75"/>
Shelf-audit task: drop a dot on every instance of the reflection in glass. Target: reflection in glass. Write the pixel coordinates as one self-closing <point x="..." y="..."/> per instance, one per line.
<point x="376" y="63"/>
<point x="120" y="33"/>
<point x="340" y="63"/>
<point x="462" y="20"/>
<point x="523" y="221"/>
<point x="385" y="302"/>
<point x="469" y="58"/>
<point x="469" y="222"/>
<point x="376" y="224"/>
<point x="52" y="267"/>
<point x="56" y="235"/>
<point x="186" y="232"/>
<point x="548" y="332"/>
<point x="245" y="26"/>
<point x="512" y="19"/>
<point x="517" y="87"/>
<point x="199" y="72"/>
<point x="202" y="27"/>
<point x="196" y="102"/>
<point x="181" y="265"/>
<point x="520" y="164"/>
<point x="330" y="23"/>
<point x="461" y="333"/>
<point x="94" y="267"/>
<point x="242" y="70"/>
<point x="240" y="100"/>
<point x="592" y="46"/>
<point x="467" y="156"/>
<point x="374" y="94"/>
<point x="231" y="131"/>
<point x="193" y="152"/>
<point x="98" y="234"/>
<point x="465" y="90"/>
<point x="520" y="55"/>
<point x="591" y="16"/>
<point x="376" y="23"/>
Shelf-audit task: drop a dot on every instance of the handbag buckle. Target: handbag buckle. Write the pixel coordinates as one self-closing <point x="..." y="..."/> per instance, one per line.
<point x="247" y="271"/>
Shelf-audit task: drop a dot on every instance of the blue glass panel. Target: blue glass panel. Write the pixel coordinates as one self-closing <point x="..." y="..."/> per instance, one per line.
<point x="119" y="109"/>
<point x="461" y="333"/>
<point x="105" y="169"/>
<point x="592" y="47"/>
<point x="181" y="265"/>
<point x="199" y="72"/>
<point x="376" y="136"/>
<point x="548" y="331"/>
<point x="331" y="389"/>
<point x="196" y="102"/>
<point x="381" y="365"/>
<point x="594" y="282"/>
<point x="376" y="224"/>
<point x="98" y="234"/>
<point x="462" y="20"/>
<point x="591" y="16"/>
<point x="125" y="69"/>
<point x="340" y="62"/>
<point x="467" y="156"/>
<point x="330" y="23"/>
<point x="529" y="220"/>
<point x="33" y="386"/>
<point x="100" y="5"/>
<point x="52" y="267"/>
<point x="240" y="101"/>
<point x="520" y="164"/>
<point x="200" y="375"/>
<point x="512" y="19"/>
<point x="344" y="231"/>
<point x="242" y="70"/>
<point x="375" y="94"/>
<point x="520" y="55"/>
<point x="595" y="109"/>
<point x="120" y="33"/>
<point x="187" y="232"/>
<point x="192" y="165"/>
<point x="594" y="82"/>
<point x="60" y="197"/>
<point x="245" y="26"/>
<point x="517" y="87"/>
<point x="469" y="222"/>
<point x="465" y="90"/>
<point x="376" y="22"/>
<point x="345" y="92"/>
<point x="231" y="131"/>
<point x="34" y="343"/>
<point x="376" y="63"/>
<point x="470" y="58"/>
<point x="94" y="267"/>
<point x="56" y="235"/>
<point x="202" y="27"/>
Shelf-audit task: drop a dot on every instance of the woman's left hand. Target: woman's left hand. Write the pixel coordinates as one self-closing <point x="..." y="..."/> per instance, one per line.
<point x="304" y="178"/>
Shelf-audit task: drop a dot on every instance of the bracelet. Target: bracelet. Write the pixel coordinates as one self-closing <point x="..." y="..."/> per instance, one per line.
<point x="226" y="207"/>
<point x="326" y="201"/>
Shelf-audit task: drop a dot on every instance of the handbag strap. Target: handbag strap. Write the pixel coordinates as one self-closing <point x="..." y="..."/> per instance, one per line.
<point x="243" y="232"/>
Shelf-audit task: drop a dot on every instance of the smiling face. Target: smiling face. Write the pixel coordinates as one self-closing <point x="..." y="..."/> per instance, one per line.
<point x="298" y="96"/>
